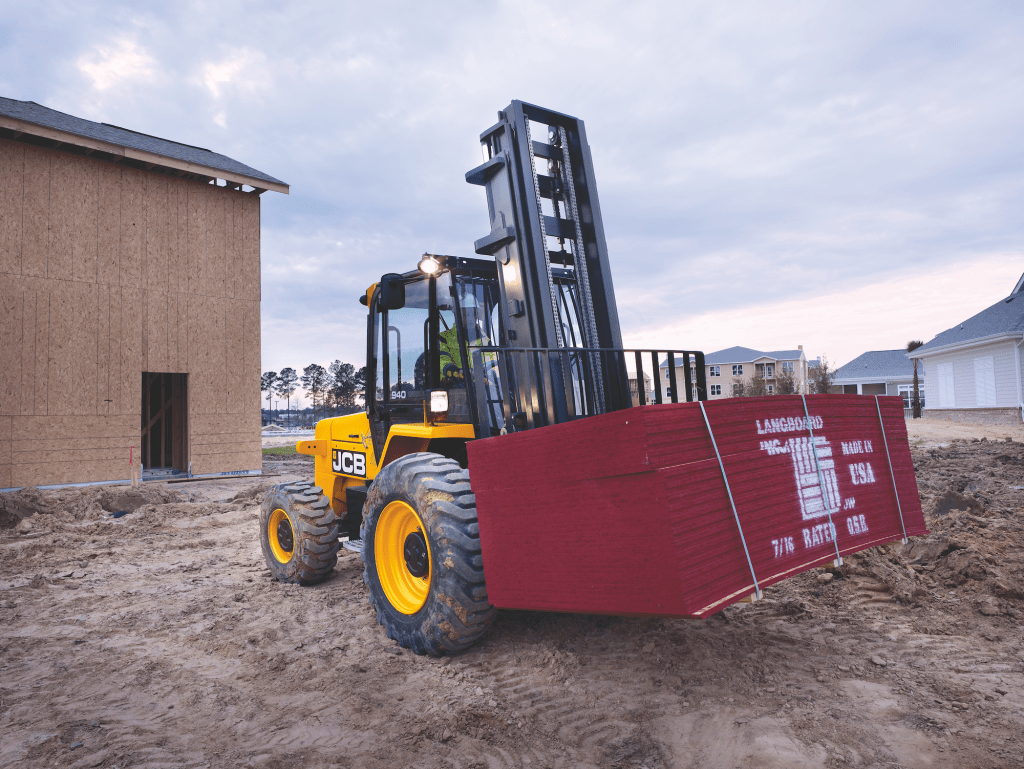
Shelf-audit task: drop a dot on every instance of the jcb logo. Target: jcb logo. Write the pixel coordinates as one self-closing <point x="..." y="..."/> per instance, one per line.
<point x="349" y="463"/>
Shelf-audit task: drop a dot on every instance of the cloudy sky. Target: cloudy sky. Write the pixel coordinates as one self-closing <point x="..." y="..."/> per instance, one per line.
<point x="842" y="175"/>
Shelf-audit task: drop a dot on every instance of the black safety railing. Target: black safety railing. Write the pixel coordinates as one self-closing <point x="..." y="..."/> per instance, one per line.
<point x="519" y="388"/>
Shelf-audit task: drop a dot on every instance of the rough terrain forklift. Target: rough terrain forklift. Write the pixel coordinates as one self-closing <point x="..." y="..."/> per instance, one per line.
<point x="461" y="349"/>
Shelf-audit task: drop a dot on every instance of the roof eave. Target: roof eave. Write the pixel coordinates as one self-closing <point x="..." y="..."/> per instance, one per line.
<point x="66" y="137"/>
<point x="952" y="347"/>
<point x="887" y="378"/>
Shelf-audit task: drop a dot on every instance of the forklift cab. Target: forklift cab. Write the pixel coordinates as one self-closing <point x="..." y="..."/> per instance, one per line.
<point x="423" y="325"/>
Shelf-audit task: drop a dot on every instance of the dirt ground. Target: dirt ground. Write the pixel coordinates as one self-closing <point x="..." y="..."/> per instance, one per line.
<point x="928" y="433"/>
<point x="157" y="639"/>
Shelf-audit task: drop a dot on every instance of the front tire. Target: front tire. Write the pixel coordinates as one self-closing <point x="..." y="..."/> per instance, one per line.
<point x="421" y="555"/>
<point x="299" y="533"/>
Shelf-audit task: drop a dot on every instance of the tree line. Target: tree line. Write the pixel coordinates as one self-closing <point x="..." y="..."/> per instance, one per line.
<point x="336" y="389"/>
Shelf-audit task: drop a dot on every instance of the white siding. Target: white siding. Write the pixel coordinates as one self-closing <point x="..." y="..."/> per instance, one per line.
<point x="984" y="381"/>
<point x="947" y="385"/>
<point x="993" y="387"/>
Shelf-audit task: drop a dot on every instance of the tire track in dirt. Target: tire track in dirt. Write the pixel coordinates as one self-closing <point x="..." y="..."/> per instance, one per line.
<point x="172" y="606"/>
<point x="563" y="678"/>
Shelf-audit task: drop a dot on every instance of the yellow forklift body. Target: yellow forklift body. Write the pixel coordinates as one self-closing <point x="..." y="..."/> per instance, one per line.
<point x="343" y="452"/>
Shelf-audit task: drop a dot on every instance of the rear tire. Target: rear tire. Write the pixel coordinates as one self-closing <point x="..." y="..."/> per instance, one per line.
<point x="299" y="533"/>
<point x="421" y="555"/>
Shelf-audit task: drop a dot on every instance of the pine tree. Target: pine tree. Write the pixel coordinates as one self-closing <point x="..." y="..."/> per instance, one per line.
<point x="314" y="381"/>
<point x="287" y="381"/>
<point x="268" y="381"/>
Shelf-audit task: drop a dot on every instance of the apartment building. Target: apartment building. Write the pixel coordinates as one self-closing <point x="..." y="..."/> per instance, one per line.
<point x="734" y="371"/>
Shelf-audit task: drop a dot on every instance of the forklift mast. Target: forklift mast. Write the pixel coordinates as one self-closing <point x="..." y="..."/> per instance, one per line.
<point x="547" y="238"/>
<point x="541" y="219"/>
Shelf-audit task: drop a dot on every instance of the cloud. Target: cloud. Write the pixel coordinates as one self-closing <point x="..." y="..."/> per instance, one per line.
<point x="748" y="155"/>
<point x="243" y="69"/>
<point x="116" y="63"/>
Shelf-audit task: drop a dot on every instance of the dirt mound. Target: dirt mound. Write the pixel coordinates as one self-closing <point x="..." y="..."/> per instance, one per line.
<point x="15" y="505"/>
<point x="89" y="502"/>
<point x="115" y="499"/>
<point x="254" y="494"/>
<point x="952" y="500"/>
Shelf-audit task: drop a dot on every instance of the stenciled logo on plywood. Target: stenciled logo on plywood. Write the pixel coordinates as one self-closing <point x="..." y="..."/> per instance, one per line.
<point x="817" y="480"/>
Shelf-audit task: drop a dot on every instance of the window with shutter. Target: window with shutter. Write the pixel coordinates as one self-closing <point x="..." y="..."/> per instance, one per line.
<point x="944" y="372"/>
<point x="984" y="381"/>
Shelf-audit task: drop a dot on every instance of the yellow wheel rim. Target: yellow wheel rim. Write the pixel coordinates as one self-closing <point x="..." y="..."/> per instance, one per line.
<point x="402" y="555"/>
<point x="281" y="534"/>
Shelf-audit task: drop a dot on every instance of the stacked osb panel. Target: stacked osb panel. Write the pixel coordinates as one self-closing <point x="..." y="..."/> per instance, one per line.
<point x="630" y="512"/>
<point x="106" y="272"/>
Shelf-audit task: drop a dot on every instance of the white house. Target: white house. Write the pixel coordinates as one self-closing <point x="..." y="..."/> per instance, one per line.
<point x="974" y="368"/>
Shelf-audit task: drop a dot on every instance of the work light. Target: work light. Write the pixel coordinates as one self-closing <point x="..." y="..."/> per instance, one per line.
<point x="438" y="401"/>
<point x="429" y="265"/>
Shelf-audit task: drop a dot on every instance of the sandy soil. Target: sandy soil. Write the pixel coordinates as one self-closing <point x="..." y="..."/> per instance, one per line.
<point x="932" y="432"/>
<point x="157" y="639"/>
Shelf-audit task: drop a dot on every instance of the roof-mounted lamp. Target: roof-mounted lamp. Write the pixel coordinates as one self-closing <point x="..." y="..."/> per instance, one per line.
<point x="429" y="265"/>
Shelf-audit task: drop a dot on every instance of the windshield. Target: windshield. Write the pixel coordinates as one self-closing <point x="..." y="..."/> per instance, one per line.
<point x="478" y="305"/>
<point x="465" y="318"/>
<point x="479" y="300"/>
<point x="404" y="363"/>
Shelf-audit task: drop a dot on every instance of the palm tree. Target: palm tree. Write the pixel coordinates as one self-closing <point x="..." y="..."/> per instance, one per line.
<point x="916" y="403"/>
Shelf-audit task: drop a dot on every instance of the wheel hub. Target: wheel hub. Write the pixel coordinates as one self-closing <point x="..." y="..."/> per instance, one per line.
<point x="284" y="535"/>
<point x="281" y="536"/>
<point x="416" y="558"/>
<point x="402" y="557"/>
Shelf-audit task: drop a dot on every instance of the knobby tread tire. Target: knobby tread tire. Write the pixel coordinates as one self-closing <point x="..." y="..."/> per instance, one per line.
<point x="457" y="611"/>
<point x="315" y="531"/>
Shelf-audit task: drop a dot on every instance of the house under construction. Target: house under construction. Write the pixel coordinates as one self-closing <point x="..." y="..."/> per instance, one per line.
<point x="129" y="303"/>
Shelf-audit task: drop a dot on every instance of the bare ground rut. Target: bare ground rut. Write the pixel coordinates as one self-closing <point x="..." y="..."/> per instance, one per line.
<point x="158" y="639"/>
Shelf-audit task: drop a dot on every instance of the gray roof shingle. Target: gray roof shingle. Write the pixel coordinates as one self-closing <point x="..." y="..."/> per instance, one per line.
<point x="30" y="112"/>
<point x="880" y="365"/>
<point x="1004" y="317"/>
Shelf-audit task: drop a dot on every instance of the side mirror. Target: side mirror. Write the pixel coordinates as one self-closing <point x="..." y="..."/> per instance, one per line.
<point x="392" y="292"/>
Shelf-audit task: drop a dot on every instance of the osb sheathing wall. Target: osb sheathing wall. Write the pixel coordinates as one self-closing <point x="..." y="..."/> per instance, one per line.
<point x="106" y="272"/>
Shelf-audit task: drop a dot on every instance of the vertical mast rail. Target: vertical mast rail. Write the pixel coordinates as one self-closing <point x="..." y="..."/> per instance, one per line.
<point x="672" y="384"/>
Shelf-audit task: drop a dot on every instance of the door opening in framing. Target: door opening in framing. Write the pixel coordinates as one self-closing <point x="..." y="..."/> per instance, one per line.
<point x="164" y="421"/>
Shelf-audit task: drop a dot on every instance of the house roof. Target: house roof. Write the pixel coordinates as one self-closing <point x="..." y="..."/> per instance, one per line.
<point x="1004" y="317"/>
<point x="746" y="355"/>
<point x="27" y="117"/>
<point x="879" y="365"/>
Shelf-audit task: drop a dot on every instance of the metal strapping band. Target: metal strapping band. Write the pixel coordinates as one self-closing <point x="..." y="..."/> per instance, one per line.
<point x="757" y="587"/>
<point x="821" y="482"/>
<point x="891" y="473"/>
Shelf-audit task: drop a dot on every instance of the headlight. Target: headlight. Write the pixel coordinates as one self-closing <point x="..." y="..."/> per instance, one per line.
<point x="438" y="401"/>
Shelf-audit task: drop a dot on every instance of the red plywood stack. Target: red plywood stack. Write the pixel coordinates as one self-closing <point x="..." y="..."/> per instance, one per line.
<point x="628" y="512"/>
